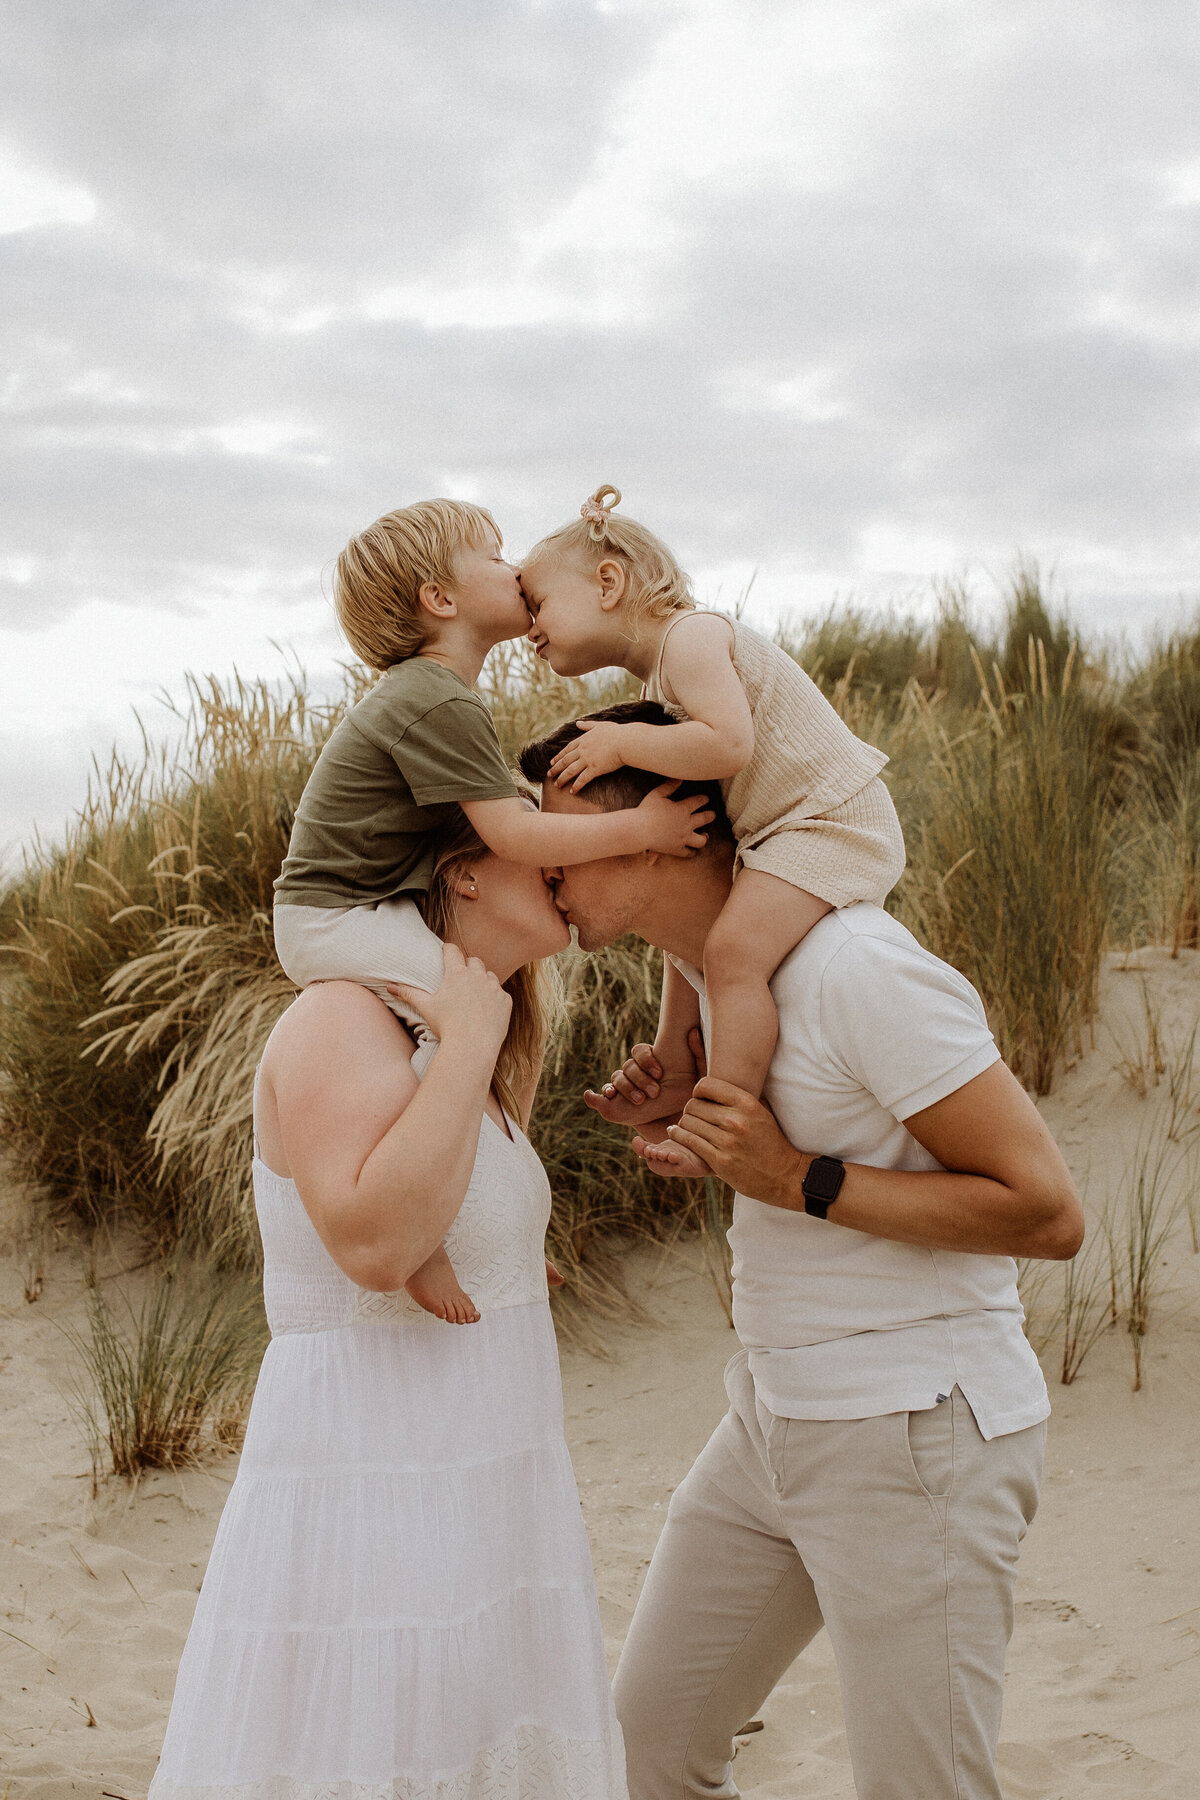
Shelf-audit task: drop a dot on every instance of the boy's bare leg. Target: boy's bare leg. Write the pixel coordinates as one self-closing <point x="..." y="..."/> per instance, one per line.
<point x="762" y="921"/>
<point x="435" y="1287"/>
<point x="660" y="1082"/>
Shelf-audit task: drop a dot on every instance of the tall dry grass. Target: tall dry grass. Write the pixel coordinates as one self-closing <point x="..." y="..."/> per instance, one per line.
<point x="1046" y="800"/>
<point x="1010" y="875"/>
<point x="145" y="978"/>
<point x="154" y="1386"/>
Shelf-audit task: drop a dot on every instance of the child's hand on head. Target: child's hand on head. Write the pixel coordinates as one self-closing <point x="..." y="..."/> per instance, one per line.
<point x="597" y="753"/>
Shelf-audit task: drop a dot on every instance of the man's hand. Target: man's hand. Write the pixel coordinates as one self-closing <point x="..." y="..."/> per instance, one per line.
<point x="598" y="752"/>
<point x="737" y="1136"/>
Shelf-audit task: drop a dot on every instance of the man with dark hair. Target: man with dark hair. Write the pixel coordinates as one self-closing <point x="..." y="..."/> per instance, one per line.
<point x="624" y="786"/>
<point x="881" y="1456"/>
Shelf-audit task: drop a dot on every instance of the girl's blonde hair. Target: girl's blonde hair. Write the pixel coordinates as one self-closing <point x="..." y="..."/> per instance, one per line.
<point x="536" y="988"/>
<point x="378" y="577"/>
<point x="656" y="586"/>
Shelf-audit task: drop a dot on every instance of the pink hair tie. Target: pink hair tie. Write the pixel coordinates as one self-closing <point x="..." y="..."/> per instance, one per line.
<point x="594" y="513"/>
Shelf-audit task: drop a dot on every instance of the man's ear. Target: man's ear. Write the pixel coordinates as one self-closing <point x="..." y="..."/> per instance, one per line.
<point x="611" y="576"/>
<point x="437" y="600"/>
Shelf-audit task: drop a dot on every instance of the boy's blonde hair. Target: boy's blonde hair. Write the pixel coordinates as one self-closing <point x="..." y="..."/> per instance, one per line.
<point x="378" y="578"/>
<point x="656" y="586"/>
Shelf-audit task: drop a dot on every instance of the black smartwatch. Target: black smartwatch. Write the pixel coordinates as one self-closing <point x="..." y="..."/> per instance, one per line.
<point x="822" y="1185"/>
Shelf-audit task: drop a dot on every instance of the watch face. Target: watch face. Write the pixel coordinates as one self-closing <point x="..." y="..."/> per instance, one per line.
<point x="825" y="1177"/>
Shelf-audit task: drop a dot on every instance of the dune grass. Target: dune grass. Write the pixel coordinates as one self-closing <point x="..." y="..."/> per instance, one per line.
<point x="156" y="1385"/>
<point x="1049" y="806"/>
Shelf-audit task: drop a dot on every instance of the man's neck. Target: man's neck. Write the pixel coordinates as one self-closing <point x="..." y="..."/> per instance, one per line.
<point x="686" y="907"/>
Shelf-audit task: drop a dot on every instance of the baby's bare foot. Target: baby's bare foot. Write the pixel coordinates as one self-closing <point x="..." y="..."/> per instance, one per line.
<point x="671" y="1159"/>
<point x="435" y="1287"/>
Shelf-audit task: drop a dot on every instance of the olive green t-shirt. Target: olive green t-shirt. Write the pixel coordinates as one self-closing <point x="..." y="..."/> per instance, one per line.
<point x="393" y="772"/>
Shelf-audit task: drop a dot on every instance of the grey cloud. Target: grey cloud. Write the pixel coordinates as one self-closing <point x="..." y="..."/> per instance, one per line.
<point x="317" y="144"/>
<point x="1003" y="305"/>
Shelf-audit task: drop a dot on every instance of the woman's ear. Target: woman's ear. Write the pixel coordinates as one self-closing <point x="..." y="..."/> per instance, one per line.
<point x="461" y="881"/>
<point x="611" y="576"/>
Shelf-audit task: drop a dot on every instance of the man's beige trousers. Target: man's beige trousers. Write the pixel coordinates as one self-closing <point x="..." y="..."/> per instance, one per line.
<point x="899" y="1534"/>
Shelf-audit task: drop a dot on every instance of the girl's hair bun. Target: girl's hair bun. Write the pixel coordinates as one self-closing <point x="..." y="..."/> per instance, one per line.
<point x="597" y="509"/>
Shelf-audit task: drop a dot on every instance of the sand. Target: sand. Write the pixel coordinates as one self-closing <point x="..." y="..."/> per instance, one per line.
<point x="1104" y="1670"/>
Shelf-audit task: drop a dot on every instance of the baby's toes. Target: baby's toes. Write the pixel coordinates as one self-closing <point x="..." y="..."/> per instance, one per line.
<point x="672" y="1159"/>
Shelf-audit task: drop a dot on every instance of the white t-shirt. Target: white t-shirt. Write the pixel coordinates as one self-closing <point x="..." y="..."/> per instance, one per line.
<point x="839" y="1324"/>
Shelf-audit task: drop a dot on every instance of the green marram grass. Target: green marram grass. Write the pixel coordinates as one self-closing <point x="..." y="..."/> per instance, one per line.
<point x="156" y="1386"/>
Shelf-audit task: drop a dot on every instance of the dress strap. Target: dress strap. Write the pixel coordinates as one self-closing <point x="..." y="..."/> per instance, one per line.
<point x="679" y="616"/>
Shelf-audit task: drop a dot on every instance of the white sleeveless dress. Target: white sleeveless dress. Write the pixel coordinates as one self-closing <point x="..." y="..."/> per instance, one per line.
<point x="400" y="1600"/>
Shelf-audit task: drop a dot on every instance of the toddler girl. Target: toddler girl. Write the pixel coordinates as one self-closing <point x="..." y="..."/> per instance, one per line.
<point x="815" y="825"/>
<point x="422" y="595"/>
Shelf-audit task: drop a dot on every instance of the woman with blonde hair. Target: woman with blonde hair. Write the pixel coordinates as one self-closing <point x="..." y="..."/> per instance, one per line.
<point x="400" y="1600"/>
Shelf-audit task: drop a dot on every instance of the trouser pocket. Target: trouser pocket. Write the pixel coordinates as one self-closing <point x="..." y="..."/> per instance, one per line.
<point x="929" y="1436"/>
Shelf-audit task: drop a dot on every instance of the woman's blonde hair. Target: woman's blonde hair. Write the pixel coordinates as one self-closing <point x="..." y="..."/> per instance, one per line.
<point x="536" y="988"/>
<point x="378" y="577"/>
<point x="656" y="586"/>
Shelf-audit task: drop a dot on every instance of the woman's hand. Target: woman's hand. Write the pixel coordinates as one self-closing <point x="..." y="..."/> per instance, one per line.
<point x="597" y="753"/>
<point x="643" y="1089"/>
<point x="469" y="1007"/>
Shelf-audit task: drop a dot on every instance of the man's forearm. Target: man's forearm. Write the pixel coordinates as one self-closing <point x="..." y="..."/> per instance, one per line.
<point x="1025" y="1203"/>
<point x="937" y="1209"/>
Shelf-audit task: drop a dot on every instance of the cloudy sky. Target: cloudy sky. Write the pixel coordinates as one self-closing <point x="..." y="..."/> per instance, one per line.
<point x="851" y="294"/>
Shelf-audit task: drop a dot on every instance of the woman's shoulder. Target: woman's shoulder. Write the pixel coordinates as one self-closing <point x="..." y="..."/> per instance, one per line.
<point x="339" y="1028"/>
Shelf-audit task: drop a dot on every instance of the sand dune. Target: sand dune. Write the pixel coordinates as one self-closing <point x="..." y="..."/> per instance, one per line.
<point x="1104" y="1673"/>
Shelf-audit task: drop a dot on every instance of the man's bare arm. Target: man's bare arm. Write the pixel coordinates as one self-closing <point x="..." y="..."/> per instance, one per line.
<point x="1004" y="1188"/>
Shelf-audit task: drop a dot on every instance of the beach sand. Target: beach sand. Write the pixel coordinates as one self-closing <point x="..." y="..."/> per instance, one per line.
<point x="1104" y="1670"/>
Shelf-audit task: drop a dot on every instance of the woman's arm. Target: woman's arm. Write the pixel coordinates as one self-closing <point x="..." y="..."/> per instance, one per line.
<point x="1003" y="1190"/>
<point x="381" y="1160"/>
<point x="711" y="744"/>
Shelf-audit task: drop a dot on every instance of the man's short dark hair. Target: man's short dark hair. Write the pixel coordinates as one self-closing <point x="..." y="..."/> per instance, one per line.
<point x="624" y="786"/>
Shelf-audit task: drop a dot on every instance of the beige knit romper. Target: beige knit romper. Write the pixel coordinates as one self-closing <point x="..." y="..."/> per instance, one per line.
<point x="809" y="805"/>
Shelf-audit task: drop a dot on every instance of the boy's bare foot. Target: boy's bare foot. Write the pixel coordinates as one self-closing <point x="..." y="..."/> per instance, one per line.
<point x="642" y="1090"/>
<point x="435" y="1287"/>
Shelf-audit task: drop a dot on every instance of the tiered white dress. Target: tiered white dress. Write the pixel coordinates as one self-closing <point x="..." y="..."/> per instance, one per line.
<point x="400" y="1600"/>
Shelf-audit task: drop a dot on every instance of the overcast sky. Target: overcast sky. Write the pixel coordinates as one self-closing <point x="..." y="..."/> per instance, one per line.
<point x="851" y="294"/>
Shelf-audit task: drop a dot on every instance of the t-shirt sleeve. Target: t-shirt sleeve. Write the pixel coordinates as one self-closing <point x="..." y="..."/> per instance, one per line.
<point x="452" y="752"/>
<point x="907" y="1026"/>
